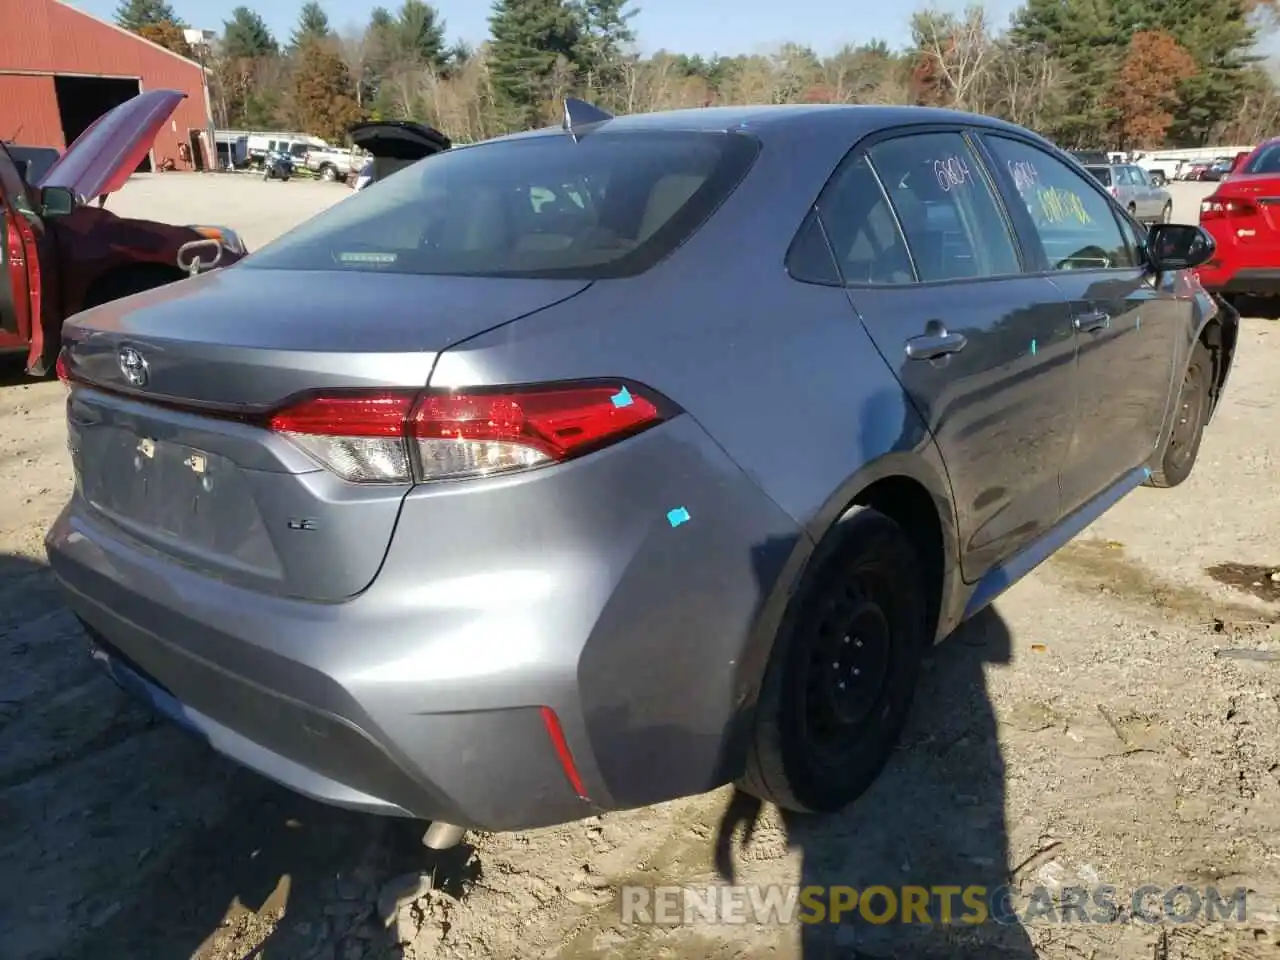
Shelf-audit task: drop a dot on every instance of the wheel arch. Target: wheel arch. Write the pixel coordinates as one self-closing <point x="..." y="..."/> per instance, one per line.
<point x="1219" y="333"/>
<point x="911" y="489"/>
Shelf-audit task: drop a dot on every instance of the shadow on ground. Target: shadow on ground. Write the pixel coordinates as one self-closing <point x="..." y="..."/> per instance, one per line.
<point x="13" y="371"/>
<point x="202" y="858"/>
<point x="934" y="818"/>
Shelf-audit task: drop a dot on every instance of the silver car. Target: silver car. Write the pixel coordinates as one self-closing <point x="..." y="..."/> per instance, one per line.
<point x="1133" y="189"/>
<point x="587" y="468"/>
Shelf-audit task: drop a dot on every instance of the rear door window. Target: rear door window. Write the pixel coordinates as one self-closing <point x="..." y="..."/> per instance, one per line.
<point x="1101" y="174"/>
<point x="609" y="205"/>
<point x="948" y="210"/>
<point x="1074" y="221"/>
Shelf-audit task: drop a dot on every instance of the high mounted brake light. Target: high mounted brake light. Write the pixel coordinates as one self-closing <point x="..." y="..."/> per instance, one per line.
<point x="403" y="437"/>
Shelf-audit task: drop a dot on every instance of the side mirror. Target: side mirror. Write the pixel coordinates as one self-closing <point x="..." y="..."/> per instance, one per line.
<point x="57" y="202"/>
<point x="1177" y="246"/>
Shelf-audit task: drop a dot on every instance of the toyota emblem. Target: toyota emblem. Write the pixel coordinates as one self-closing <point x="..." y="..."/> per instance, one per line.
<point x="133" y="366"/>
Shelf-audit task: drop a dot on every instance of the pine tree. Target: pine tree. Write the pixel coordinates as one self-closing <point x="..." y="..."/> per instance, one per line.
<point x="1085" y="37"/>
<point x="246" y="36"/>
<point x="606" y="32"/>
<point x="313" y="24"/>
<point x="529" y="38"/>
<point x="136" y="14"/>
<point x="420" y="33"/>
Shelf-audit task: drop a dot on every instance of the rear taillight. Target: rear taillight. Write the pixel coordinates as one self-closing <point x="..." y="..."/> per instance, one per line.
<point x="62" y="368"/>
<point x="1114" y="191"/>
<point x="398" y="437"/>
<point x="1216" y="208"/>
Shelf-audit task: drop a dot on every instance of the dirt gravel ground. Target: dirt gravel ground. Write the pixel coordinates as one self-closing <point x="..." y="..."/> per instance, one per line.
<point x="1099" y="726"/>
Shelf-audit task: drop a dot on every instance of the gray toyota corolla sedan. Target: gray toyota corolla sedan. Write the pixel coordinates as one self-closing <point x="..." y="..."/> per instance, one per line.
<point x="591" y="467"/>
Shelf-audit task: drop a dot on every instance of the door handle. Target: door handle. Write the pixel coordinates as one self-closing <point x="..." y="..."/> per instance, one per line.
<point x="1092" y="322"/>
<point x="933" y="346"/>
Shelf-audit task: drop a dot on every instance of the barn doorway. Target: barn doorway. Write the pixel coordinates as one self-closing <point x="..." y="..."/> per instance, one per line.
<point x="82" y="100"/>
<point x="196" y="142"/>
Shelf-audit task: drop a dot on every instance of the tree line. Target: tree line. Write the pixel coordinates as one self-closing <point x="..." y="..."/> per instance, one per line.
<point x="1123" y="74"/>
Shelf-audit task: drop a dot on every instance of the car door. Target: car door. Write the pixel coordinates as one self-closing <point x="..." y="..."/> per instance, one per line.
<point x="1127" y="190"/>
<point x="1138" y="195"/>
<point x="1126" y="323"/>
<point x="1158" y="195"/>
<point x="984" y="351"/>
<point x="21" y="258"/>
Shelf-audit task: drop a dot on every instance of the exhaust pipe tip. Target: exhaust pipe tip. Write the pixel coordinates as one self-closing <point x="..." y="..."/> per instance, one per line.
<point x="442" y="836"/>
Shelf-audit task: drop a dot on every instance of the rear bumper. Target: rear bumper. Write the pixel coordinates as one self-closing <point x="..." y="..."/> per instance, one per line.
<point x="1257" y="282"/>
<point x="423" y="696"/>
<point x="1238" y="267"/>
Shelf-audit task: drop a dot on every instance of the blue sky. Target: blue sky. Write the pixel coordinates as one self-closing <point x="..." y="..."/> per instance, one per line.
<point x="691" y="26"/>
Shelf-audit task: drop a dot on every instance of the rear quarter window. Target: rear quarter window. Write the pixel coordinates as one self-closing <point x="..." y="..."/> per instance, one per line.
<point x="1266" y="160"/>
<point x="609" y="205"/>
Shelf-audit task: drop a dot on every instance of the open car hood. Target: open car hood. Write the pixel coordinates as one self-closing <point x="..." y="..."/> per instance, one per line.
<point x="103" y="157"/>
<point x="397" y="143"/>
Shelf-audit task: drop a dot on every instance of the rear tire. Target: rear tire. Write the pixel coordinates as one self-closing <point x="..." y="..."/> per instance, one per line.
<point x="328" y="174"/>
<point x="840" y="679"/>
<point x="1166" y="215"/>
<point x="1192" y="413"/>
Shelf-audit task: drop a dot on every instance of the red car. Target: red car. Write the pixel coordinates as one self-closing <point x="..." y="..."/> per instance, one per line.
<point x="63" y="252"/>
<point x="1243" y="216"/>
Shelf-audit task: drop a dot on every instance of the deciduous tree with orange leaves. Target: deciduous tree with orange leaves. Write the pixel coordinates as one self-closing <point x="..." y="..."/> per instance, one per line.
<point x="1145" y="90"/>
<point x="168" y="35"/>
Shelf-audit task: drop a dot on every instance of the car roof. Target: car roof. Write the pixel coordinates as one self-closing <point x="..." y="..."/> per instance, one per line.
<point x="769" y="122"/>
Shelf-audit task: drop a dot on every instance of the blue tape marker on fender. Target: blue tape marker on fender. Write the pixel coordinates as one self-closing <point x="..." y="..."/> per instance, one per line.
<point x="1146" y="472"/>
<point x="622" y="398"/>
<point x="677" y="516"/>
<point x="1033" y="348"/>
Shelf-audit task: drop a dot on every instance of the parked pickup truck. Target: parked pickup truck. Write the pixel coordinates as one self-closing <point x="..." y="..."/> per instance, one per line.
<point x="332" y="163"/>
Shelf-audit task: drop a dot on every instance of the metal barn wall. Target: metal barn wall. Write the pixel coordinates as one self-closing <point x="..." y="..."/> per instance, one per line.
<point x="49" y="37"/>
<point x="29" y="111"/>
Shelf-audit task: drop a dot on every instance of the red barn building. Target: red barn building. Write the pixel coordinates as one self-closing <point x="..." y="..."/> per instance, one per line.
<point x="61" y="69"/>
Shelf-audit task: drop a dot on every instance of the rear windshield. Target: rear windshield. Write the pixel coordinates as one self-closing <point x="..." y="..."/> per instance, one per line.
<point x="1266" y="160"/>
<point x="1101" y="174"/>
<point x="609" y="205"/>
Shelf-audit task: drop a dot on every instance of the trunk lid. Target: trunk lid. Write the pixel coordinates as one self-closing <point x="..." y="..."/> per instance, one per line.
<point x="396" y="144"/>
<point x="164" y="422"/>
<point x="103" y="157"/>
<point x="1256" y="221"/>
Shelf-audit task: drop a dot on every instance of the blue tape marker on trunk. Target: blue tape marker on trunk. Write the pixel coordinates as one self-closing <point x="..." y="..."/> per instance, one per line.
<point x="677" y="516"/>
<point x="622" y="398"/>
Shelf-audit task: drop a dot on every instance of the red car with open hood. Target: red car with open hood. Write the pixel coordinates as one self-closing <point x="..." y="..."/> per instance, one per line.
<point x="63" y="253"/>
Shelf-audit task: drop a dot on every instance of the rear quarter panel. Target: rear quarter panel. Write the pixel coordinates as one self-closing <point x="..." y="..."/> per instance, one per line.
<point x="779" y="374"/>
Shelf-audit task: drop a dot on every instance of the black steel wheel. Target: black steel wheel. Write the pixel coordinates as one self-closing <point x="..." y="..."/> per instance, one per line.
<point x="839" y="683"/>
<point x="1189" y="419"/>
